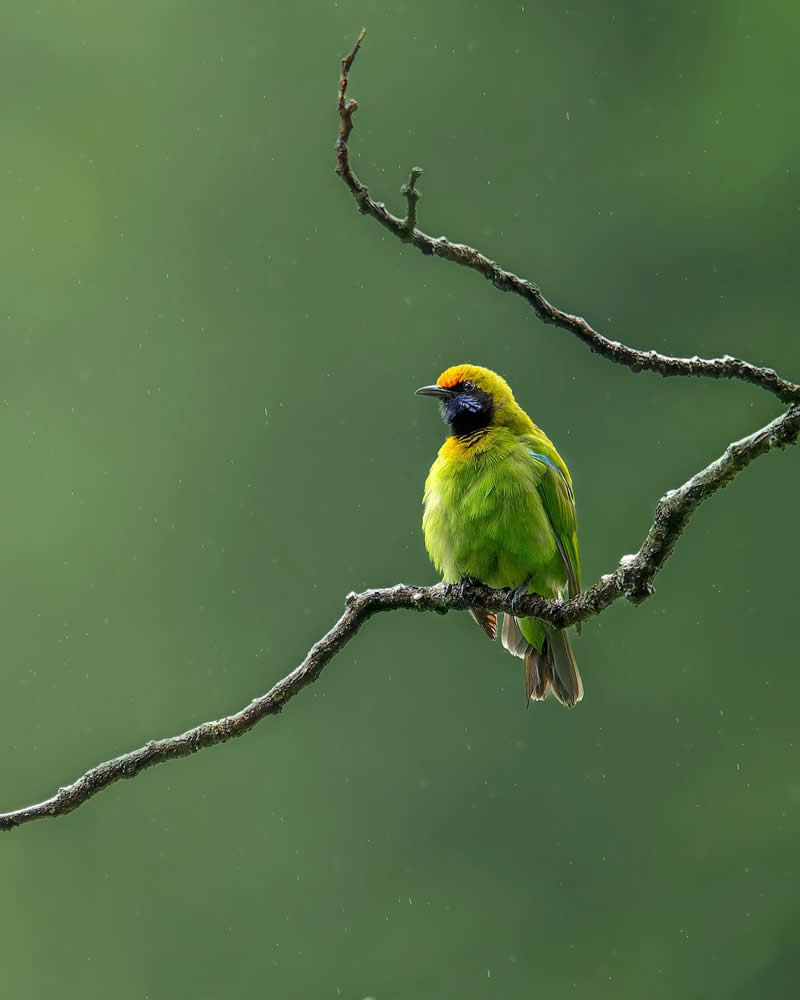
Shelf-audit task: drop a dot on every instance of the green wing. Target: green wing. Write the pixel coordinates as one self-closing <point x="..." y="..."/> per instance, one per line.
<point x="555" y="490"/>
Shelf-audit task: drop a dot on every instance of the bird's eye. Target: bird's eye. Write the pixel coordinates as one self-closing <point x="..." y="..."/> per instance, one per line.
<point x="468" y="385"/>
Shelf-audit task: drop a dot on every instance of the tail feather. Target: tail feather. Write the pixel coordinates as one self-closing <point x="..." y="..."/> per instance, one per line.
<point x="567" y="682"/>
<point x="551" y="668"/>
<point x="538" y="674"/>
<point x="487" y="621"/>
<point x="513" y="640"/>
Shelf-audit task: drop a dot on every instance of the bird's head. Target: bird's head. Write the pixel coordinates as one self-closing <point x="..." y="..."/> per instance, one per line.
<point x="472" y="399"/>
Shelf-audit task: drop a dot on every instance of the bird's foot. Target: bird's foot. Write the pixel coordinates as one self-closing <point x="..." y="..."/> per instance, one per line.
<point x="517" y="594"/>
<point x="463" y="585"/>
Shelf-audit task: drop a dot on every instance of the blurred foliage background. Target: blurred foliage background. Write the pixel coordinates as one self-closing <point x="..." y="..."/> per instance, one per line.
<point x="209" y="437"/>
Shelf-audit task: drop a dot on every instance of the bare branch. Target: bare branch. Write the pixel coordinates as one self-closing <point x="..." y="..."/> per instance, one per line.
<point x="632" y="579"/>
<point x="507" y="281"/>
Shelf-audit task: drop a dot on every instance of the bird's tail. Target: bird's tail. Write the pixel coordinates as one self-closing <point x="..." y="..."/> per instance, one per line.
<point x="550" y="667"/>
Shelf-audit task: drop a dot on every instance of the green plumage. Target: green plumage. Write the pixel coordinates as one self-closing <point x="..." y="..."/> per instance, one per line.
<point x="499" y="508"/>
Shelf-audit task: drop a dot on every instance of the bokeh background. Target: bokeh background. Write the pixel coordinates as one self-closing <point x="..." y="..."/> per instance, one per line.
<point x="209" y="436"/>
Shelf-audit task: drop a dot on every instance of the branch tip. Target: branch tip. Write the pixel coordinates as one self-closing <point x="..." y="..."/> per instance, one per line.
<point x="348" y="60"/>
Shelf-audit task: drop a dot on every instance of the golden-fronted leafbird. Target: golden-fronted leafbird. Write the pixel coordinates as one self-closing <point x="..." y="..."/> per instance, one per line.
<point x="499" y="508"/>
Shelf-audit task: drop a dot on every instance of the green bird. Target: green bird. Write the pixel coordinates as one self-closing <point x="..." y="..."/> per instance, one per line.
<point x="499" y="508"/>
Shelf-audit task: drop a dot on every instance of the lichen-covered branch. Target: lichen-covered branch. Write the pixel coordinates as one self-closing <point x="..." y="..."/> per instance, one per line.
<point x="507" y="281"/>
<point x="632" y="579"/>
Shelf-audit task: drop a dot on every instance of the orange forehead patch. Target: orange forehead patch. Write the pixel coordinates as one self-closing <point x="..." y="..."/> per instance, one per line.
<point x="451" y="377"/>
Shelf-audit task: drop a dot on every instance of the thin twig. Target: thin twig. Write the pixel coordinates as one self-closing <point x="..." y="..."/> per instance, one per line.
<point x="507" y="281"/>
<point x="632" y="579"/>
<point x="412" y="196"/>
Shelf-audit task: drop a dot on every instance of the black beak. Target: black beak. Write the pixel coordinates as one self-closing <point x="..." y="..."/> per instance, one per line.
<point x="437" y="391"/>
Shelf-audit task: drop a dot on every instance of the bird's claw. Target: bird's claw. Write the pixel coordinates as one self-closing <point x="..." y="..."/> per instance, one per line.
<point x="464" y="585"/>
<point x="516" y="596"/>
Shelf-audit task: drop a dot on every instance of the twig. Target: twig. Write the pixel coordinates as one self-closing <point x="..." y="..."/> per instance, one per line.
<point x="632" y="579"/>
<point x="410" y="193"/>
<point x="507" y="281"/>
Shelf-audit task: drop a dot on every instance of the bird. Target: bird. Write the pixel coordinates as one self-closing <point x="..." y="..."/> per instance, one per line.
<point x="499" y="508"/>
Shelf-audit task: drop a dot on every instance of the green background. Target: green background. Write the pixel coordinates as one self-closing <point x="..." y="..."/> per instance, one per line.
<point x="209" y="436"/>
